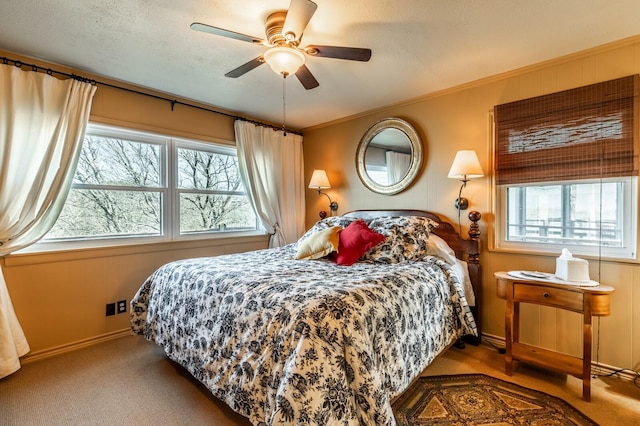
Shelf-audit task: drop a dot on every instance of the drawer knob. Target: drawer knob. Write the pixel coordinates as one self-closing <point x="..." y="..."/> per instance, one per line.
<point x="545" y="294"/>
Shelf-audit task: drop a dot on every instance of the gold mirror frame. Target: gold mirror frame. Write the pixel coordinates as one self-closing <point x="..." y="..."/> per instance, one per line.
<point x="416" y="156"/>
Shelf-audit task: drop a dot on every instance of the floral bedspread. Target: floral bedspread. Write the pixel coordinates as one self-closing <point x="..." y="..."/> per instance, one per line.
<point x="285" y="341"/>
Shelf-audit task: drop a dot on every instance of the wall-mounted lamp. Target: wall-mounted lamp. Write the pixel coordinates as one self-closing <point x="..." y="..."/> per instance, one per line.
<point x="465" y="166"/>
<point x="319" y="181"/>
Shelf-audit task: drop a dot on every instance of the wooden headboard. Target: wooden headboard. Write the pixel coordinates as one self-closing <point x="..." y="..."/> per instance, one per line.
<point x="467" y="249"/>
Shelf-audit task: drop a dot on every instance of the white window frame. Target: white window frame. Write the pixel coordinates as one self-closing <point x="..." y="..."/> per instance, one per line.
<point x="170" y="219"/>
<point x="629" y="214"/>
<point x="628" y="251"/>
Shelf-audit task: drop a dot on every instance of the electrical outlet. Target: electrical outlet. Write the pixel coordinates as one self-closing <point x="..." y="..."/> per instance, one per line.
<point x="122" y="306"/>
<point x="111" y="309"/>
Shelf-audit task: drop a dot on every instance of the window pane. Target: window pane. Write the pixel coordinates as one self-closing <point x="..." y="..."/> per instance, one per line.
<point x="210" y="212"/>
<point x="104" y="213"/>
<point x="113" y="161"/>
<point x="208" y="170"/>
<point x="583" y="214"/>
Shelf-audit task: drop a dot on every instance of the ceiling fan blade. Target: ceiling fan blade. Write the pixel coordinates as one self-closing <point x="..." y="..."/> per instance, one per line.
<point x="245" y="68"/>
<point x="197" y="26"/>
<point x="298" y="17"/>
<point x="350" y="53"/>
<point x="306" y="78"/>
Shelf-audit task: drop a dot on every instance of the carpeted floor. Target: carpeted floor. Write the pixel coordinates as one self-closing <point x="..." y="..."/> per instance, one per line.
<point x="477" y="399"/>
<point x="129" y="381"/>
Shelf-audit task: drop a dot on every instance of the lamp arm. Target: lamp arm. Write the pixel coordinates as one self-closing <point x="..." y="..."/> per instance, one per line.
<point x="332" y="204"/>
<point x="461" y="203"/>
<point x="464" y="184"/>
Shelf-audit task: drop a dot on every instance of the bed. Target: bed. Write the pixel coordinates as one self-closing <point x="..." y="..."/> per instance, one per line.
<point x="287" y="339"/>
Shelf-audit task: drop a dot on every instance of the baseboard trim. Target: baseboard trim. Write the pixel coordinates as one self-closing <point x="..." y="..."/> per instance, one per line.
<point x="495" y="341"/>
<point x="69" y="347"/>
<point x="596" y="369"/>
<point x="604" y="370"/>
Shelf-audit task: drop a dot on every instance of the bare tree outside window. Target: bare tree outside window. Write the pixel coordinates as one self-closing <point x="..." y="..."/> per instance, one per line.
<point x="211" y="192"/>
<point x="121" y="184"/>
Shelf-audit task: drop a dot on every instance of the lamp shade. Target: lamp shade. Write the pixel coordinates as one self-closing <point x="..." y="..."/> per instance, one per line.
<point x="465" y="166"/>
<point x="319" y="180"/>
<point x="284" y="60"/>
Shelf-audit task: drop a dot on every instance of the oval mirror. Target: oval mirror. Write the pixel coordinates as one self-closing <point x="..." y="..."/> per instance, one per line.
<point x="389" y="156"/>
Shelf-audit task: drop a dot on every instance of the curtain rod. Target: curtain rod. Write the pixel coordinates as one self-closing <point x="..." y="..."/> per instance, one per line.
<point x="173" y="102"/>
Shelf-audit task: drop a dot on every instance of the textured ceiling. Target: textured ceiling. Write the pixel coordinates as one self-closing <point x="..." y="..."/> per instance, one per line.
<point x="419" y="46"/>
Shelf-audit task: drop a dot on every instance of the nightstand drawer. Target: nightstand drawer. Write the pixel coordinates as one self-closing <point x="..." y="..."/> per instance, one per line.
<point x="557" y="297"/>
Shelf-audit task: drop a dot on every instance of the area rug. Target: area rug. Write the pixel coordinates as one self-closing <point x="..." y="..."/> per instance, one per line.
<point x="477" y="399"/>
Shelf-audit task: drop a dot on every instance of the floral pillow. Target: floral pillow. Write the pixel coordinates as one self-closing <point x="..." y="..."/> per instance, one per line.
<point x="406" y="239"/>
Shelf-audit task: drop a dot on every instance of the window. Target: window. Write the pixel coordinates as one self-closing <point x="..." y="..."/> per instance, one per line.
<point x="566" y="171"/>
<point x="378" y="174"/>
<point x="586" y="217"/>
<point x="131" y="186"/>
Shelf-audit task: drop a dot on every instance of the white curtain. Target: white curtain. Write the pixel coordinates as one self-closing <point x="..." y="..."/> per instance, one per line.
<point x="272" y="169"/>
<point x="42" y="124"/>
<point x="397" y="166"/>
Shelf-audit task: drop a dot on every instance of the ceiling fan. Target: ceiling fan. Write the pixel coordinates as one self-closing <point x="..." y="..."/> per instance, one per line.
<point x="284" y="31"/>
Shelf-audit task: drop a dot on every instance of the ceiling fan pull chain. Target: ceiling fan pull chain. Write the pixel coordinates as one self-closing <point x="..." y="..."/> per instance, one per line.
<point x="284" y="110"/>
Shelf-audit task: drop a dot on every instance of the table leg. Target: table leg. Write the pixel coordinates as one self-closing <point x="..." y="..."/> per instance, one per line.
<point x="587" y="333"/>
<point x="509" y="332"/>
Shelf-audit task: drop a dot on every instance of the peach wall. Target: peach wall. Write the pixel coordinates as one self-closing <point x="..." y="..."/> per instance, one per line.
<point x="458" y="119"/>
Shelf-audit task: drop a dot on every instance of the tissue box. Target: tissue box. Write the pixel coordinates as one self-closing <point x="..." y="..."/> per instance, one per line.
<point x="572" y="269"/>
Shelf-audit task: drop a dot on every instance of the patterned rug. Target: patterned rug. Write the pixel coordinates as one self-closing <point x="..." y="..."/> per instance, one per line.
<point x="476" y="399"/>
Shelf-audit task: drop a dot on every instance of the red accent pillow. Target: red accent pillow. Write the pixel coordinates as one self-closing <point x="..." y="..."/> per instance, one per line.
<point x="355" y="240"/>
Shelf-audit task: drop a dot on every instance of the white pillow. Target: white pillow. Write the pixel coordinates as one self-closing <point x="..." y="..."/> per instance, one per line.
<point x="461" y="269"/>
<point x="438" y="247"/>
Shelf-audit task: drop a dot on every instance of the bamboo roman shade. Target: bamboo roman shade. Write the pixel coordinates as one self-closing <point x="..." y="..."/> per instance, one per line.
<point x="588" y="132"/>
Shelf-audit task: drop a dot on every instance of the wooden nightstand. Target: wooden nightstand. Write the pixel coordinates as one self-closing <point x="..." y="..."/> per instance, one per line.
<point x="589" y="301"/>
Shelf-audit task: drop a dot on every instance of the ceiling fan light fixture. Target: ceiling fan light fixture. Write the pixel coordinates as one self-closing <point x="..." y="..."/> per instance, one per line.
<point x="284" y="60"/>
